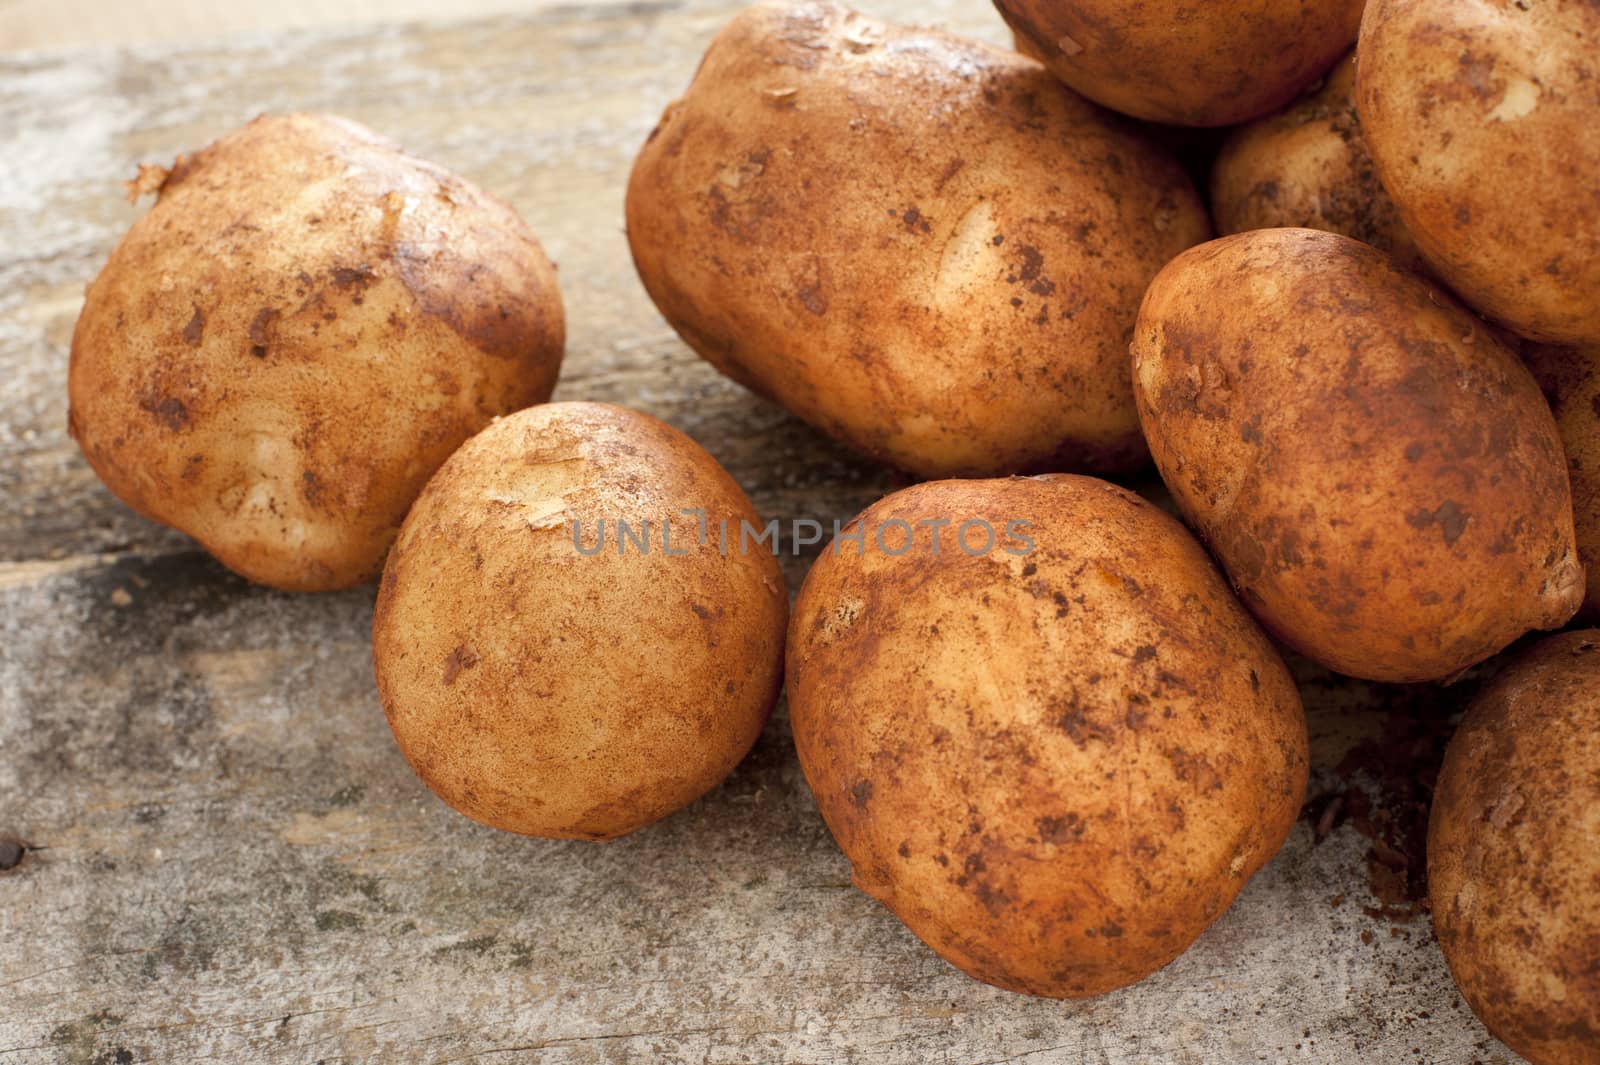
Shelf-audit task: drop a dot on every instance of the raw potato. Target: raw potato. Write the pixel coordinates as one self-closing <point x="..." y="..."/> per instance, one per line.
<point x="920" y="244"/>
<point x="1308" y="167"/>
<point x="1056" y="766"/>
<point x="1379" y="476"/>
<point x="1514" y="853"/>
<point x="544" y="690"/>
<point x="1175" y="61"/>
<point x="1483" y="117"/>
<point x="309" y="321"/>
<point x="1570" y="378"/>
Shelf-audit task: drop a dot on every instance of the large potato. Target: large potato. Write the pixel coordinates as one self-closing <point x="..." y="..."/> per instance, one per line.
<point x="281" y="351"/>
<point x="922" y="245"/>
<point x="1053" y="745"/>
<point x="1380" y="477"/>
<point x="1570" y="378"/>
<point x="1514" y="853"/>
<point x="547" y="671"/>
<point x="1308" y="167"/>
<point x="1189" y="64"/>
<point x="1483" y="117"/>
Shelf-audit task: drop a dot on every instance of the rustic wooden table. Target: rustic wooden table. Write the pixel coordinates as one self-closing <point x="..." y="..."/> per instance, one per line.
<point x="226" y="858"/>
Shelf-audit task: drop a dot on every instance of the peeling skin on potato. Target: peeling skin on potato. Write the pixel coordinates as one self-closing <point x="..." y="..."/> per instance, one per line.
<point x="1380" y="477"/>
<point x="1513" y="866"/>
<point x="1570" y="378"/>
<point x="1480" y="116"/>
<point x="1186" y="64"/>
<point x="568" y="694"/>
<point x="1308" y="167"/>
<point x="1056" y="767"/>
<point x="278" y="355"/>
<point x="924" y="246"/>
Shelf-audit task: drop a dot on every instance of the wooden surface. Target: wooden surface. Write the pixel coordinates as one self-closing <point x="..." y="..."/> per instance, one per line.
<point x="230" y="861"/>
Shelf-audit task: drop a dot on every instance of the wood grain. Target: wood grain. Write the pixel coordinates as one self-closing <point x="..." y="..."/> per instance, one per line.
<point x="230" y="861"/>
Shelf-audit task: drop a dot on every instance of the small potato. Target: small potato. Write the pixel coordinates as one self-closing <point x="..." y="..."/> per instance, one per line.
<point x="1050" y="740"/>
<point x="1380" y="476"/>
<point x="1483" y="117"/>
<point x="1308" y="167"/>
<point x="1514" y="853"/>
<point x="577" y="681"/>
<point x="279" y="354"/>
<point x="1210" y="64"/>
<point x="1570" y="378"/>
<point x="922" y="245"/>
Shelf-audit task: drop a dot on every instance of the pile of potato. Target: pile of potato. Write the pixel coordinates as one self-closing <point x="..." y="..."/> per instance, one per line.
<point x="1058" y="741"/>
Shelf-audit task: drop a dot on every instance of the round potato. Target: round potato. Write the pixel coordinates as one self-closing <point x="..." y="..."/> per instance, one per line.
<point x="308" y="322"/>
<point x="1513" y="863"/>
<point x="1308" y="167"/>
<point x="922" y="245"/>
<point x="1481" y="118"/>
<point x="1174" y="61"/>
<point x="1042" y="730"/>
<point x="567" y="642"/>
<point x="1379" y="476"/>
<point x="1570" y="378"/>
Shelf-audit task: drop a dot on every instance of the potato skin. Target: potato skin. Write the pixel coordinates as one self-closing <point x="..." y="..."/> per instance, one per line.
<point x="1570" y="378"/>
<point x="922" y="245"/>
<point x="1513" y="869"/>
<point x="553" y="693"/>
<point x="1056" y="768"/>
<point x="280" y="352"/>
<point x="1308" y="167"/>
<point x="1212" y="64"/>
<point x="1480" y="116"/>
<point x="1379" y="476"/>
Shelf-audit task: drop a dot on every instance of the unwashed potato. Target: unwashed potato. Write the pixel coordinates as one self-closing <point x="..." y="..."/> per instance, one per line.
<point x="281" y="351"/>
<point x="1570" y="378"/>
<point x="1189" y="64"/>
<point x="922" y="245"/>
<point x="578" y="682"/>
<point x="1380" y="476"/>
<point x="1514" y="853"/>
<point x="1308" y="167"/>
<point x="1055" y="747"/>
<point x="1483" y="117"/>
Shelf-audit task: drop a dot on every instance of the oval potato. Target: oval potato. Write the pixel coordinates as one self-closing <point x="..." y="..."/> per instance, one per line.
<point x="1379" y="476"/>
<point x="1056" y="760"/>
<point x="570" y="693"/>
<point x="279" y="354"/>
<point x="922" y="245"/>
<point x="1513" y="862"/>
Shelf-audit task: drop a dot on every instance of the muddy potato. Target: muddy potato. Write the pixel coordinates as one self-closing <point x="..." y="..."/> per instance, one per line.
<point x="922" y="245"/>
<point x="1213" y="64"/>
<point x="548" y="674"/>
<point x="1570" y="378"/>
<point x="1308" y="167"/>
<point x="1057" y="759"/>
<point x="305" y="325"/>
<point x="1483" y="117"/>
<point x="1379" y="476"/>
<point x="1513" y="860"/>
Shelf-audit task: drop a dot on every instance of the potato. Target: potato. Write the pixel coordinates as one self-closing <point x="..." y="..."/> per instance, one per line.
<point x="1379" y="476"/>
<point x="1054" y="745"/>
<point x="922" y="245"/>
<point x="1481" y="116"/>
<point x="1570" y="378"/>
<point x="1174" y="61"/>
<point x="281" y="351"/>
<point x="1308" y="167"/>
<point x="1513" y="858"/>
<point x="547" y="671"/>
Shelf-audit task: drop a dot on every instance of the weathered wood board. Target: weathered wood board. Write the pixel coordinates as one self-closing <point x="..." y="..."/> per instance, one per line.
<point x="229" y="859"/>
